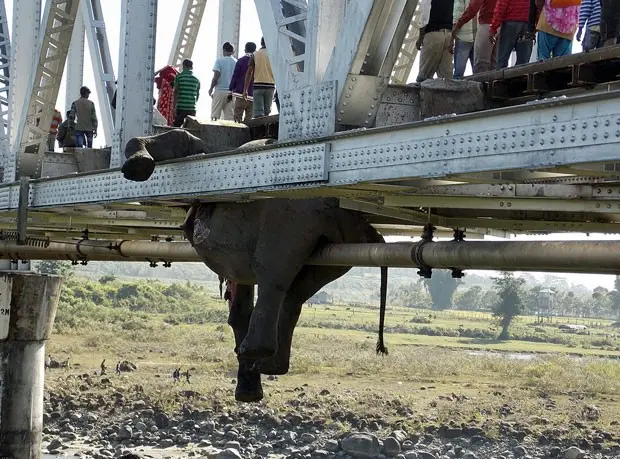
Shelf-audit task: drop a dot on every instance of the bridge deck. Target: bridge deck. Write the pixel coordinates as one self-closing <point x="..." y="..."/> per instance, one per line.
<point x="546" y="165"/>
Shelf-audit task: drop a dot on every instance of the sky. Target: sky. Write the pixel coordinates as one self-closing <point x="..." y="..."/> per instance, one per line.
<point x="204" y="56"/>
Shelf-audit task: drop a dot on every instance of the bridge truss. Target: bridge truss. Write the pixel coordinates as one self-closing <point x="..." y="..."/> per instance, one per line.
<point x="537" y="159"/>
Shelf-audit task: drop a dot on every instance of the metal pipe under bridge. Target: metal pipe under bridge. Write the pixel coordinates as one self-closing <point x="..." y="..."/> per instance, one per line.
<point x="594" y="257"/>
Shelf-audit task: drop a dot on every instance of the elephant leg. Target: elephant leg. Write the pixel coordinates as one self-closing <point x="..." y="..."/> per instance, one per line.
<point x="284" y="244"/>
<point x="241" y="304"/>
<point x="308" y="282"/>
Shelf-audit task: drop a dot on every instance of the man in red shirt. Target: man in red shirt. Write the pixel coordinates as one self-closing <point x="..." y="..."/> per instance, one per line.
<point x="513" y="17"/>
<point x="483" y="48"/>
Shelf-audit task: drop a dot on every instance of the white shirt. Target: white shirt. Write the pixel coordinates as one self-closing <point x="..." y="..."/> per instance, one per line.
<point x="424" y="12"/>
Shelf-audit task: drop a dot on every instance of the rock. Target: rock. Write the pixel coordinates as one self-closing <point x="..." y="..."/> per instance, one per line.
<point x="232" y="445"/>
<point x="127" y="367"/>
<point x="166" y="443"/>
<point x="54" y="444"/>
<point x="264" y="450"/>
<point x="573" y="453"/>
<point x="140" y="426"/>
<point x="139" y="405"/>
<point x="426" y="455"/>
<point x="399" y="435"/>
<point x="391" y="447"/>
<point x="444" y="97"/>
<point x="125" y="433"/>
<point x="519" y="451"/>
<point x="229" y="454"/>
<point x="332" y="445"/>
<point x="361" y="445"/>
<point x="411" y="455"/>
<point x="161" y="420"/>
<point x="307" y="438"/>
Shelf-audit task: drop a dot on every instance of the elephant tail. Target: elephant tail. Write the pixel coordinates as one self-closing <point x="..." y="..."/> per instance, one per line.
<point x="381" y="348"/>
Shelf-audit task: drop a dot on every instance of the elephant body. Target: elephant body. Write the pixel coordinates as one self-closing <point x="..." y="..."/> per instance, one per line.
<point x="267" y="242"/>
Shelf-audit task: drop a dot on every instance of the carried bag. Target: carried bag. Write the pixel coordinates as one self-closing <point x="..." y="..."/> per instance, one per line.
<point x="564" y="3"/>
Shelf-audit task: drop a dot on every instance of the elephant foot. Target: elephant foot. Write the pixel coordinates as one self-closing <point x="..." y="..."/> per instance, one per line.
<point x="249" y="388"/>
<point x="275" y="365"/>
<point x="139" y="167"/>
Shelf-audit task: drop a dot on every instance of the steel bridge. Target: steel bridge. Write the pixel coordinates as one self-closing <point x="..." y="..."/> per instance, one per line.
<point x="539" y="154"/>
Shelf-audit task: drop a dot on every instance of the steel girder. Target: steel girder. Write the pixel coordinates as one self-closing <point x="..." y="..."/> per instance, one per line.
<point x="187" y="31"/>
<point x="229" y="25"/>
<point x="31" y="138"/>
<point x="75" y="59"/>
<point x="135" y="84"/>
<point x="103" y="68"/>
<point x="5" y="63"/>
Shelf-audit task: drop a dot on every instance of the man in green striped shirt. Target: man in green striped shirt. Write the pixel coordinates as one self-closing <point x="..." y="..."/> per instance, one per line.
<point x="186" y="92"/>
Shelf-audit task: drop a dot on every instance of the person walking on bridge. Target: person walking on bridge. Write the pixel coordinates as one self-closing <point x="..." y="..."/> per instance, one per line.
<point x="556" y="28"/>
<point x="484" y="50"/>
<point x="463" y="40"/>
<point x="435" y="42"/>
<point x="264" y="85"/>
<point x="237" y="83"/>
<point x="511" y="18"/>
<point x="86" y="124"/>
<point x="590" y="18"/>
<point x="186" y="91"/>
<point x="222" y="106"/>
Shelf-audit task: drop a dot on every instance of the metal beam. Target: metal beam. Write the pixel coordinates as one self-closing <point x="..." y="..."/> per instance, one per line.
<point x="26" y="42"/>
<point x="601" y="257"/>
<point x="5" y="81"/>
<point x="58" y="18"/>
<point x="75" y="59"/>
<point x="408" y="52"/>
<point x="103" y="68"/>
<point x="134" y="114"/>
<point x="229" y="24"/>
<point x="363" y="78"/>
<point x="276" y="24"/>
<point x="187" y="31"/>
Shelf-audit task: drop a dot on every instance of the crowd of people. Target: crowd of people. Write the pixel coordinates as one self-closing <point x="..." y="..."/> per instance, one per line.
<point x="484" y="33"/>
<point x="241" y="89"/>
<point x="487" y="32"/>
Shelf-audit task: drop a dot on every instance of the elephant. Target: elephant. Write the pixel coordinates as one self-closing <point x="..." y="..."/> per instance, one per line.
<point x="267" y="242"/>
<point x="143" y="153"/>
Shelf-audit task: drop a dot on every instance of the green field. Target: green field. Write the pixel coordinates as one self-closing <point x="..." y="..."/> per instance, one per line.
<point x="435" y="377"/>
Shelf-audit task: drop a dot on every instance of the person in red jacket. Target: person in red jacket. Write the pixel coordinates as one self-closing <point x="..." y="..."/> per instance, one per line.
<point x="513" y="16"/>
<point x="484" y="51"/>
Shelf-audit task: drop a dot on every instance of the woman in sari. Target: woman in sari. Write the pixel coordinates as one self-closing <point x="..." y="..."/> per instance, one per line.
<point x="165" y="102"/>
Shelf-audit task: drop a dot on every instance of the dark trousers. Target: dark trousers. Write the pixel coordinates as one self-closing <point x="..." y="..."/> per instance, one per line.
<point x="84" y="139"/>
<point x="511" y="37"/>
<point x="179" y="119"/>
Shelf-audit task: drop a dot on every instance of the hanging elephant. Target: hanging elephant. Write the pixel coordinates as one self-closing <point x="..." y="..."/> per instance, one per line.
<point x="265" y="242"/>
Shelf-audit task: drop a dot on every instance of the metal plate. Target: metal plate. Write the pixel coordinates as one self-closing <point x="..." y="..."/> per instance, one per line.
<point x="240" y="171"/>
<point x="308" y="113"/>
<point x="360" y="100"/>
<point x="399" y="105"/>
<point x="6" y="285"/>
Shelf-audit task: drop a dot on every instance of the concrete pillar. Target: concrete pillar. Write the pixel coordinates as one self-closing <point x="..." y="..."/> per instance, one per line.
<point x="28" y="305"/>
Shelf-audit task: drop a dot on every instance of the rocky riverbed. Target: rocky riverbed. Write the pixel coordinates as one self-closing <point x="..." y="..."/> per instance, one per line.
<point x="120" y="424"/>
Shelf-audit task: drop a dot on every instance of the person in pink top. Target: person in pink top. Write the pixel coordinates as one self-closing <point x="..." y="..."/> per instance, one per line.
<point x="556" y="29"/>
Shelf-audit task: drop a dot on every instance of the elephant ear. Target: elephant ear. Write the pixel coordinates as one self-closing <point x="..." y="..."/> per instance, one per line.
<point x="201" y="227"/>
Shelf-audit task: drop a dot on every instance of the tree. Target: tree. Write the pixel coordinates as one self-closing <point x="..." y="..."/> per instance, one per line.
<point x="441" y="286"/>
<point x="510" y="301"/>
<point x="59" y="268"/>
